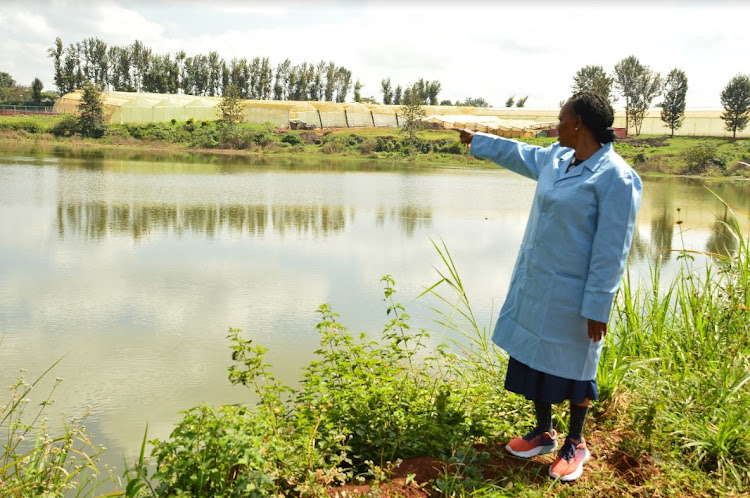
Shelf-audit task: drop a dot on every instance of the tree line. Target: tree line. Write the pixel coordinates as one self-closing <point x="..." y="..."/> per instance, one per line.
<point x="638" y="86"/>
<point x="137" y="68"/>
<point x="15" y="94"/>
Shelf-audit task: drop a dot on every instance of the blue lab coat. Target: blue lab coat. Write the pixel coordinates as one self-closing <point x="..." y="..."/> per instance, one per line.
<point x="573" y="253"/>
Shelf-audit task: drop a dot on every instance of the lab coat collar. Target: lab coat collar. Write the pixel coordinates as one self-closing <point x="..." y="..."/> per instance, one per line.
<point x="592" y="163"/>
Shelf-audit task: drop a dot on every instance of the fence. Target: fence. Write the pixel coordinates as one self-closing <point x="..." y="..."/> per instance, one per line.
<point x="11" y="110"/>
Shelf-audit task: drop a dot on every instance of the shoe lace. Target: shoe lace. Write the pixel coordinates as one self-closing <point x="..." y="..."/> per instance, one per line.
<point x="568" y="450"/>
<point x="536" y="432"/>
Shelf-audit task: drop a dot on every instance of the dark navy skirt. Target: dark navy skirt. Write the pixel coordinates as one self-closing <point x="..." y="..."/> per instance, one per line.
<point x="539" y="386"/>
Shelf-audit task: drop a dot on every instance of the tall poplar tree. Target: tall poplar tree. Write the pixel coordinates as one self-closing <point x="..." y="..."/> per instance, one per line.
<point x="736" y="101"/>
<point x="673" y="106"/>
<point x="387" y="91"/>
<point x="638" y="85"/>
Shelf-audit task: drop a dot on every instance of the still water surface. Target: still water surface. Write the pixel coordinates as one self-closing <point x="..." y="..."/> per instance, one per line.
<point x="133" y="269"/>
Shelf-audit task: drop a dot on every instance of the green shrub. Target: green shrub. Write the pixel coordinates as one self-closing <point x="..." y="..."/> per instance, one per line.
<point x="117" y="131"/>
<point x="367" y="147"/>
<point x="452" y="147"/>
<point x="386" y="144"/>
<point x="361" y="403"/>
<point x="353" y="140"/>
<point x="236" y="138"/>
<point x="701" y="157"/>
<point x="291" y="139"/>
<point x="204" y="138"/>
<point x="66" y="127"/>
<point x="158" y="132"/>
<point x="262" y="138"/>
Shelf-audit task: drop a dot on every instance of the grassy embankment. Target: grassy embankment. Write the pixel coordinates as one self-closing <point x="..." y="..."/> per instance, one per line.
<point x="704" y="156"/>
<point x="672" y="419"/>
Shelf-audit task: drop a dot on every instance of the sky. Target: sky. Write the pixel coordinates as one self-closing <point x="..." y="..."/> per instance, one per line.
<point x="474" y="49"/>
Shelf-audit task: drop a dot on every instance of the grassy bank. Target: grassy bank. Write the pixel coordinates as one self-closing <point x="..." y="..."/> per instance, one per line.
<point x="701" y="156"/>
<point x="386" y="415"/>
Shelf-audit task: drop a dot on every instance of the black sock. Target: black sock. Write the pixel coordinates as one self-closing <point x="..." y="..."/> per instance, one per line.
<point x="543" y="415"/>
<point x="577" y="419"/>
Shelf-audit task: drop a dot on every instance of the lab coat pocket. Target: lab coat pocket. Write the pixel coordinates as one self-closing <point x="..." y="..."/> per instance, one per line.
<point x="564" y="315"/>
<point x="531" y="310"/>
<point x="567" y="292"/>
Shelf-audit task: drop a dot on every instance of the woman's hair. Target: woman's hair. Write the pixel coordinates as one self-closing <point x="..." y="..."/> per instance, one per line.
<point x="596" y="114"/>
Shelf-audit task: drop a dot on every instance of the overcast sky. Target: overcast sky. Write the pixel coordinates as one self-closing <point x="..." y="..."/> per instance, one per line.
<point x="475" y="49"/>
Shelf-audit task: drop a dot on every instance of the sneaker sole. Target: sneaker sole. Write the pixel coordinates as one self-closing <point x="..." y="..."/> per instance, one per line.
<point x="539" y="450"/>
<point x="573" y="475"/>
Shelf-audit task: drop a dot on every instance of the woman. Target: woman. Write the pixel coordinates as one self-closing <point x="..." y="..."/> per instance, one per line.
<point x="568" y="270"/>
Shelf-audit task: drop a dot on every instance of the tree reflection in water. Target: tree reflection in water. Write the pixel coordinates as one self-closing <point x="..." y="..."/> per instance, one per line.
<point x="97" y="219"/>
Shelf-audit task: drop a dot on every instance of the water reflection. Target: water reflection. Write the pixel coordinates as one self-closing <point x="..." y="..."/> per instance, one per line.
<point x="662" y="234"/>
<point x="723" y="238"/>
<point x="98" y="219"/>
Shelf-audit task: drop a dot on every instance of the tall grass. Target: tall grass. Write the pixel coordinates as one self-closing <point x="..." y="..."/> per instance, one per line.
<point x="679" y="359"/>
<point x="37" y="459"/>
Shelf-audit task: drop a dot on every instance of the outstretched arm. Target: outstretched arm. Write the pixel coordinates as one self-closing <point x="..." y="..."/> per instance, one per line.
<point x="522" y="158"/>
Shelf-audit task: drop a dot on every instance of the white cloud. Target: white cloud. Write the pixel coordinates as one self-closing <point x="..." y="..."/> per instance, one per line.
<point x="24" y="24"/>
<point x="265" y="10"/>
<point x="119" y="25"/>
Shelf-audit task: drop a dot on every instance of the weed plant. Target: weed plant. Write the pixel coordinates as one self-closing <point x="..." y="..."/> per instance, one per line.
<point x="37" y="460"/>
<point x="361" y="405"/>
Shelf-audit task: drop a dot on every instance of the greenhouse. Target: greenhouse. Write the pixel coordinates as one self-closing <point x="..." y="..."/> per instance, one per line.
<point x="130" y="107"/>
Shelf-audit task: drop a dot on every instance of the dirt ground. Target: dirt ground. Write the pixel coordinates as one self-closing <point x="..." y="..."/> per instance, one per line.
<point x="606" y="460"/>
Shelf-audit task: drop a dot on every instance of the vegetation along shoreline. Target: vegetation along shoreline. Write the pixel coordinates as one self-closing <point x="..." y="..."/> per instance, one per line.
<point x="712" y="157"/>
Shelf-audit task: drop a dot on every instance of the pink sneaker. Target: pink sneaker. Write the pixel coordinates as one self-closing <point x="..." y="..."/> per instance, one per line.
<point x="536" y="442"/>
<point x="568" y="466"/>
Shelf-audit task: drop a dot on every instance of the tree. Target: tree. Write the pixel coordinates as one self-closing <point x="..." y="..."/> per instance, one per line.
<point x="91" y="112"/>
<point x="639" y="85"/>
<point x="594" y="79"/>
<point x="522" y="102"/>
<point x="474" y="102"/>
<point x="6" y="80"/>
<point x="358" y="91"/>
<point x="56" y="53"/>
<point x="433" y="89"/>
<point x="343" y="82"/>
<point x="735" y="98"/>
<point x="397" y="95"/>
<point x="36" y="90"/>
<point x="230" y="106"/>
<point x="412" y="113"/>
<point x="446" y="102"/>
<point x="511" y="100"/>
<point x="673" y="106"/>
<point x="647" y="88"/>
<point x="387" y="91"/>
<point x="330" y="81"/>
